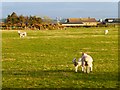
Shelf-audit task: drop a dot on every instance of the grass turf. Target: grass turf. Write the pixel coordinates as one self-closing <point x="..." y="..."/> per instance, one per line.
<point x="43" y="59"/>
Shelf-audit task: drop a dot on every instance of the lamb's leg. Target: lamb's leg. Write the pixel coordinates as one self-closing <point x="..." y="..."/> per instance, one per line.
<point x="91" y="67"/>
<point x="88" y="69"/>
<point x="76" y="68"/>
<point x="82" y="68"/>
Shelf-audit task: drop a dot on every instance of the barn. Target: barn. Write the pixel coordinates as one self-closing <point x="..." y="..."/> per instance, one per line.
<point x="72" y="22"/>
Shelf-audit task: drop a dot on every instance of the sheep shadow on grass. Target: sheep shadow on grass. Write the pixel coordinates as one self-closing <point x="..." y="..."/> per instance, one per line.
<point x="61" y="73"/>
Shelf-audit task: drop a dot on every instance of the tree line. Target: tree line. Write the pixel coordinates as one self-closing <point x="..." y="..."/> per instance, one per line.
<point x="14" y="21"/>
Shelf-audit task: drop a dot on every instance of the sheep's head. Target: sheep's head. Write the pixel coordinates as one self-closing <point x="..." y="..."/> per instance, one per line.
<point x="84" y="53"/>
<point x="18" y="31"/>
<point x="74" y="61"/>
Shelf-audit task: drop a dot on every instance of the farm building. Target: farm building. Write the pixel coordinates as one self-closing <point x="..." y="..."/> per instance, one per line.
<point x="72" y="22"/>
<point x="79" y="22"/>
<point x="112" y="20"/>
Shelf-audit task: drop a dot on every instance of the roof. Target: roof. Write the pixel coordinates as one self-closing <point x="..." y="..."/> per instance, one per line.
<point x="88" y="20"/>
<point x="72" y="23"/>
<point x="73" y="20"/>
<point x="81" y="20"/>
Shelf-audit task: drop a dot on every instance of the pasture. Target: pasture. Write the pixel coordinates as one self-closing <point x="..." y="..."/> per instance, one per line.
<point x="43" y="59"/>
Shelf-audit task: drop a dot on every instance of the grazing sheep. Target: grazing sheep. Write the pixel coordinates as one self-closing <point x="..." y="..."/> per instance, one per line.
<point x="85" y="62"/>
<point x="22" y="34"/>
<point x="106" y="32"/>
<point x="77" y="64"/>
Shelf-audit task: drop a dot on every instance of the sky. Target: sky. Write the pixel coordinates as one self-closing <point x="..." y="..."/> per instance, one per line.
<point x="99" y="10"/>
<point x="60" y="0"/>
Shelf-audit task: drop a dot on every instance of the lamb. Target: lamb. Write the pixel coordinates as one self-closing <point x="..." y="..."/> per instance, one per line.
<point x="77" y="64"/>
<point x="22" y="34"/>
<point x="106" y="32"/>
<point x="85" y="62"/>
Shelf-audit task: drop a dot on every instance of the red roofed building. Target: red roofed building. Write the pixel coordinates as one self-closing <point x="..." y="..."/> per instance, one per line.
<point x="80" y="22"/>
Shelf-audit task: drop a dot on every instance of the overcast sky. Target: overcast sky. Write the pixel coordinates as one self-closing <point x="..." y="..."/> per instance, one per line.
<point x="62" y="9"/>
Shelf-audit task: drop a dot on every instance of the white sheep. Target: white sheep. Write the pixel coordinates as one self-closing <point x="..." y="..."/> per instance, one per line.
<point x="85" y="62"/>
<point x="106" y="32"/>
<point x="77" y="64"/>
<point x="22" y="34"/>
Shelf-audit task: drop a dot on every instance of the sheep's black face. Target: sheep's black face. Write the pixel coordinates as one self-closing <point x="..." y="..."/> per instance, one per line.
<point x="75" y="63"/>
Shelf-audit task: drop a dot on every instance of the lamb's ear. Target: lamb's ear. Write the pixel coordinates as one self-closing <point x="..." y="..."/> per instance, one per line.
<point x="74" y="60"/>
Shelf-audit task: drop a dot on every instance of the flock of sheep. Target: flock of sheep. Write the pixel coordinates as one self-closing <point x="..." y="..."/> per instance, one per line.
<point x="85" y="61"/>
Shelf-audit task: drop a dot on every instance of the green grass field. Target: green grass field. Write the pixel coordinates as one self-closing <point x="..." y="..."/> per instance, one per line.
<point x="43" y="59"/>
